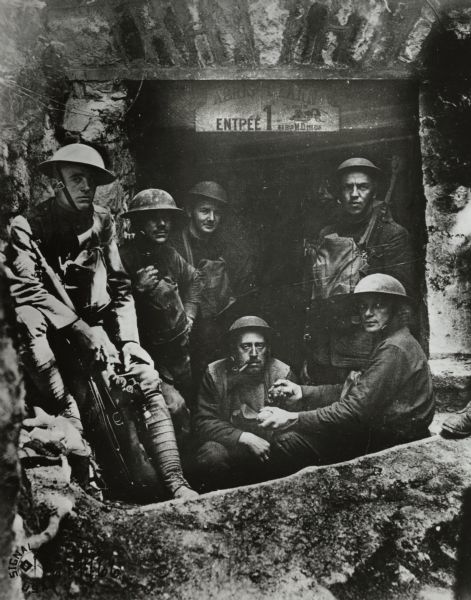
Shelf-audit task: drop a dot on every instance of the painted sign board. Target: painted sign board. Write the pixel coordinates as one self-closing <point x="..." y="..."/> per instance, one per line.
<point x="251" y="108"/>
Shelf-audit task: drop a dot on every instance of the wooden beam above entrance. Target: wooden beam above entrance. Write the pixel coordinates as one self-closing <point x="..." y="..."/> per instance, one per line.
<point x="150" y="73"/>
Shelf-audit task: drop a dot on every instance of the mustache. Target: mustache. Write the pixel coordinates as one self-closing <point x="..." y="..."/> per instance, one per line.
<point x="246" y="364"/>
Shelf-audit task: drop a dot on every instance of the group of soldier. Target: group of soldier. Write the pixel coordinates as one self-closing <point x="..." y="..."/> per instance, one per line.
<point x="220" y="409"/>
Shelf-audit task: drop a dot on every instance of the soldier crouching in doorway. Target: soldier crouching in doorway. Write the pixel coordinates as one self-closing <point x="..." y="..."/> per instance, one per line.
<point x="234" y="449"/>
<point x="391" y="402"/>
<point x="363" y="239"/>
<point x="166" y="289"/>
<point x="74" y="304"/>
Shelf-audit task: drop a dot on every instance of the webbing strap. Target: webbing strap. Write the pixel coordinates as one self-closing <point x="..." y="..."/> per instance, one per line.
<point x="66" y="191"/>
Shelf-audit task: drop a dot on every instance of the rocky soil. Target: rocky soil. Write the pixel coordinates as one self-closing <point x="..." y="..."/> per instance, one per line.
<point x="381" y="527"/>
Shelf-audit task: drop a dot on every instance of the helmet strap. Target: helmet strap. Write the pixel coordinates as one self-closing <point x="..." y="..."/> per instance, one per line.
<point x="62" y="187"/>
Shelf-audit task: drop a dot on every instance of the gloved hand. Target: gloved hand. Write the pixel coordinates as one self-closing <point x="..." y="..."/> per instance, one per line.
<point x="95" y="342"/>
<point x="147" y="279"/>
<point x="132" y="351"/>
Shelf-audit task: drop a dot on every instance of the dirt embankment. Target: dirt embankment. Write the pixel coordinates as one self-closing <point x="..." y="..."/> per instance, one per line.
<point x="381" y="527"/>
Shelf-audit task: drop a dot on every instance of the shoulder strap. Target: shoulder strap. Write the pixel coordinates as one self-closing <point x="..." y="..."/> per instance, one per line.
<point x="365" y="238"/>
<point x="380" y="213"/>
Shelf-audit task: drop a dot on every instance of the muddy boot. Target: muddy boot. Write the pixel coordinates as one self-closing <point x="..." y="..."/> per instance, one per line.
<point x="459" y="424"/>
<point x="185" y="493"/>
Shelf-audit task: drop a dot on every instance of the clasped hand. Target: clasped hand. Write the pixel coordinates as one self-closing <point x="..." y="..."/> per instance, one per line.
<point x="147" y="279"/>
<point x="99" y="348"/>
<point x="283" y="389"/>
<point x="272" y="417"/>
<point x="95" y="343"/>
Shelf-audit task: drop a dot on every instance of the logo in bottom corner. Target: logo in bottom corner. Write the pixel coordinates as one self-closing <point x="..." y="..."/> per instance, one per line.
<point x="24" y="562"/>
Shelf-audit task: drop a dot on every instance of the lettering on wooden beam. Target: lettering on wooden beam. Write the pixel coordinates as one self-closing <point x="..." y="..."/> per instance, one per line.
<point x="250" y="108"/>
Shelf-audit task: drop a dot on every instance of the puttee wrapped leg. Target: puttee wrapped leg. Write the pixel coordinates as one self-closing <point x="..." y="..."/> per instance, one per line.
<point x="161" y="434"/>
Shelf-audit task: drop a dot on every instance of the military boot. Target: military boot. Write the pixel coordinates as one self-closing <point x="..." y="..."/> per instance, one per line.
<point x="459" y="424"/>
<point x="185" y="493"/>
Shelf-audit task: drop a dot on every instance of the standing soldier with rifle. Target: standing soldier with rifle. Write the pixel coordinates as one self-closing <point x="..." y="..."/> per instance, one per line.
<point x="72" y="293"/>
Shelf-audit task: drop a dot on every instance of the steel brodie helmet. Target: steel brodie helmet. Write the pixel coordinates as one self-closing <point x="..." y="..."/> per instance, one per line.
<point x="380" y="283"/>
<point x="362" y="164"/>
<point x="151" y="201"/>
<point x="250" y="322"/>
<point x="78" y="154"/>
<point x="208" y="189"/>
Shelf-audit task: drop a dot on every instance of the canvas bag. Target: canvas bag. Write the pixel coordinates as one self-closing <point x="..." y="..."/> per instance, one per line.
<point x="338" y="263"/>
<point x="86" y="282"/>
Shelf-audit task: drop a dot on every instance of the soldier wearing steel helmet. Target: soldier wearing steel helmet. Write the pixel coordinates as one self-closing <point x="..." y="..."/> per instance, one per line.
<point x="72" y="241"/>
<point x="391" y="402"/>
<point x="167" y="290"/>
<point x="335" y="343"/>
<point x="226" y="269"/>
<point x="233" y="448"/>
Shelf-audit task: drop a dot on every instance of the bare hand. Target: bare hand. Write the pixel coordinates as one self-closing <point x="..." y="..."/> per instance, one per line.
<point x="257" y="445"/>
<point x="272" y="417"/>
<point x="95" y="342"/>
<point x="106" y="351"/>
<point x="147" y="279"/>
<point x="283" y="389"/>
<point x="133" y="351"/>
<point x="189" y="324"/>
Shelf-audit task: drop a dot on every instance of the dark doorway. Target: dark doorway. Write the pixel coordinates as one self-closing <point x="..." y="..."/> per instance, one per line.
<point x="282" y="183"/>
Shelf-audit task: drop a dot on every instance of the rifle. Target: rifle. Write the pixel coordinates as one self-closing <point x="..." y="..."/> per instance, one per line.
<point x="114" y="416"/>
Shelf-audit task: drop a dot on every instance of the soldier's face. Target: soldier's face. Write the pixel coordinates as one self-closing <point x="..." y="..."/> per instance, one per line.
<point x="205" y="217"/>
<point x="251" y="348"/>
<point x="80" y="183"/>
<point x="157" y="227"/>
<point x="375" y="312"/>
<point x="357" y="190"/>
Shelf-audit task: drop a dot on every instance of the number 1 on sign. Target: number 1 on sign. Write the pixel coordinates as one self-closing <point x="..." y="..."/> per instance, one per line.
<point x="267" y="109"/>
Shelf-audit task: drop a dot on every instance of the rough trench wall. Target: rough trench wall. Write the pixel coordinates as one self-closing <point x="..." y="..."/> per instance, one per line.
<point x="40" y="107"/>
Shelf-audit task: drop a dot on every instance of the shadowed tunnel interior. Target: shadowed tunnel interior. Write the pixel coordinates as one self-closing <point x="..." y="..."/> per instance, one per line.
<point x="282" y="185"/>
